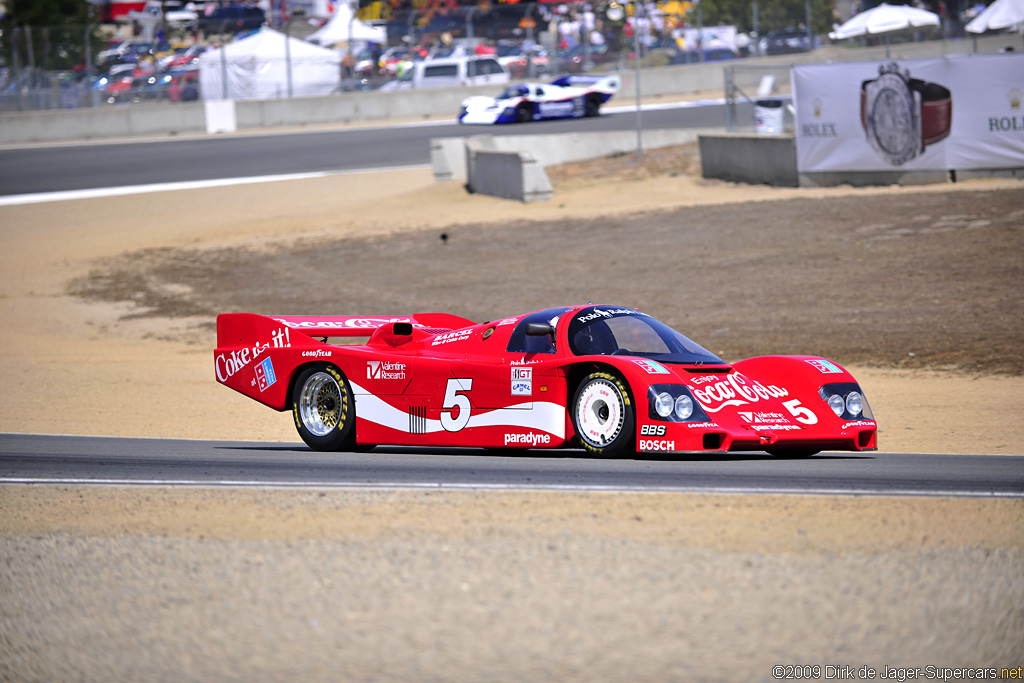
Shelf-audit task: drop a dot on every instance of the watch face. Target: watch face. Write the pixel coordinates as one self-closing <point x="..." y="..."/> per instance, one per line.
<point x="892" y="119"/>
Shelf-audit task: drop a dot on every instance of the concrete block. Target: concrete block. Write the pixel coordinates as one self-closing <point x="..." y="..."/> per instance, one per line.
<point x="220" y="116"/>
<point x="451" y="157"/>
<point x="448" y="159"/>
<point x="511" y="175"/>
<point x="746" y="158"/>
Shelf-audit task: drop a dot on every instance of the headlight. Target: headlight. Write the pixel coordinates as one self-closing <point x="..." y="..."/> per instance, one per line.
<point x="673" y="403"/>
<point x="663" y="404"/>
<point x="846" y="401"/>
<point x="684" y="407"/>
<point x="836" y="403"/>
<point x="854" y="403"/>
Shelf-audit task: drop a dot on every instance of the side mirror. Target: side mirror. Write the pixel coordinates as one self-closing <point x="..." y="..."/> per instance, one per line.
<point x="403" y="329"/>
<point x="539" y="329"/>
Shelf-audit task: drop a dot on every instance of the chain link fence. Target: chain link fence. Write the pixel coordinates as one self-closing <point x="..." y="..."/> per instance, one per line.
<point x="761" y="87"/>
<point x="78" y="66"/>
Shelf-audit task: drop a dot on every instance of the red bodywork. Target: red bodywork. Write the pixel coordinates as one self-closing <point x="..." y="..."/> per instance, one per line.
<point x="451" y="382"/>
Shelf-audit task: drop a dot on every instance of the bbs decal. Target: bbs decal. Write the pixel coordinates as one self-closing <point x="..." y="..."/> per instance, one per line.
<point x="652" y="430"/>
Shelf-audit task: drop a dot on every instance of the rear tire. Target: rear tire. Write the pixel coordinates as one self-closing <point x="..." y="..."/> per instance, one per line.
<point x="323" y="408"/>
<point x="524" y="113"/>
<point x="602" y="413"/>
<point x="593" y="106"/>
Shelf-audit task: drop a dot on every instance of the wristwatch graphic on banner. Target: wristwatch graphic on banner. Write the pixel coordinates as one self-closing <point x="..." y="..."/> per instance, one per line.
<point x="902" y="115"/>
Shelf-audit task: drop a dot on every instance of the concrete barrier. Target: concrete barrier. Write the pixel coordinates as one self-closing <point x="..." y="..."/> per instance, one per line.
<point x="511" y="175"/>
<point x="771" y="160"/>
<point x="451" y="157"/>
<point x="750" y="158"/>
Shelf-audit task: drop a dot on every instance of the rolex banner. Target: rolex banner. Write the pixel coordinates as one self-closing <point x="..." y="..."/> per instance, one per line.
<point x="956" y="112"/>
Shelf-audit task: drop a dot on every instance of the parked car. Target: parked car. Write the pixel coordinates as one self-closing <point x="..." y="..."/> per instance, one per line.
<point x="522" y="62"/>
<point x="448" y="73"/>
<point x="785" y="42"/>
<point x="573" y="61"/>
<point x="232" y="19"/>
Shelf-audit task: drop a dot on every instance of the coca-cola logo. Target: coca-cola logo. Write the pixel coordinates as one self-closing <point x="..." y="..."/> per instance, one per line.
<point x="735" y="390"/>
<point x="227" y="365"/>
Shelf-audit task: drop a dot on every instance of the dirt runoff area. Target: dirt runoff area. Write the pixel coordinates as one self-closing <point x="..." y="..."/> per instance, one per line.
<point x="109" y="306"/>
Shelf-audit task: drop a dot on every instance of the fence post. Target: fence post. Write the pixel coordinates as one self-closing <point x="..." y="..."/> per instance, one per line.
<point x="730" y="99"/>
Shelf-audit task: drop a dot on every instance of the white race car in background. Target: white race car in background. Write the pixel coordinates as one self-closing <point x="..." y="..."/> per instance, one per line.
<point x="567" y="97"/>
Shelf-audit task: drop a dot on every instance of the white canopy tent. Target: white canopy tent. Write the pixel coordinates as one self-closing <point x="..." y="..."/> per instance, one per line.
<point x="883" y="20"/>
<point x="268" y="65"/>
<point x="1000" y="14"/>
<point x="344" y="27"/>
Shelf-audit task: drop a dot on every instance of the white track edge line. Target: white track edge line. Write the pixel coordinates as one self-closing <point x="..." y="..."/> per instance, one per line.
<point x="227" y="483"/>
<point x="102" y="192"/>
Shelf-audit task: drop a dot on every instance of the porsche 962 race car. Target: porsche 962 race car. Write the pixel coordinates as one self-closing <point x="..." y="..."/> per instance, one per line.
<point x="566" y="97"/>
<point x="612" y="380"/>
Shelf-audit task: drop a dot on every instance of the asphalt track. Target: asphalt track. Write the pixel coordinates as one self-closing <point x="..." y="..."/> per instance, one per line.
<point x="44" y="168"/>
<point x="69" y="460"/>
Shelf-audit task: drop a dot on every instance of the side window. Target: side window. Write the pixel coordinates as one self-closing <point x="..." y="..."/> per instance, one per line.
<point x="520" y="342"/>
<point x="440" y="71"/>
<point x="490" y="66"/>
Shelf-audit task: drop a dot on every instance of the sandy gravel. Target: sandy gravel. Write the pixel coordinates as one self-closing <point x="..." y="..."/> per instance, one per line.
<point x="112" y="584"/>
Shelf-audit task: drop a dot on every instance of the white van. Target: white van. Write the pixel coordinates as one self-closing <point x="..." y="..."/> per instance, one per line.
<point x="452" y="72"/>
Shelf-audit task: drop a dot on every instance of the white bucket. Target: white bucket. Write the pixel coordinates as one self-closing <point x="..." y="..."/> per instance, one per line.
<point x="768" y="117"/>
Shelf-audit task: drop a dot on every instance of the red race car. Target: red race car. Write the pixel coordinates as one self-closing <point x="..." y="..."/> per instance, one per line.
<point x="610" y="379"/>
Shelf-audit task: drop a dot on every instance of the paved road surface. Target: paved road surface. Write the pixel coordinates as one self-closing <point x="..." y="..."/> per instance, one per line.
<point x="68" y="459"/>
<point x="57" y="168"/>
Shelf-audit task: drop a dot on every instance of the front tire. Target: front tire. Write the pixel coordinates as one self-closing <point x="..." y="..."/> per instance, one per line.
<point x="524" y="113"/>
<point x="323" y="408"/>
<point x="593" y="106"/>
<point x="602" y="413"/>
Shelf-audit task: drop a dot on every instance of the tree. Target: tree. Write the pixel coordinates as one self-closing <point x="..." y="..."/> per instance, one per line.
<point x="48" y="34"/>
<point x="773" y="15"/>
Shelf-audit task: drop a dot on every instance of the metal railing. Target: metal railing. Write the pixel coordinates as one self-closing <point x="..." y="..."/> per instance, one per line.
<point x="744" y="82"/>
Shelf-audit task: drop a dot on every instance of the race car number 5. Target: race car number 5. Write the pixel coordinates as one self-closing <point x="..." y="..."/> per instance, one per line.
<point x="800" y="413"/>
<point x="455" y="409"/>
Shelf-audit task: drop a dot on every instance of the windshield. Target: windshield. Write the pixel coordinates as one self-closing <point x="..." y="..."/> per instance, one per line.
<point x="607" y="330"/>
<point x="514" y="91"/>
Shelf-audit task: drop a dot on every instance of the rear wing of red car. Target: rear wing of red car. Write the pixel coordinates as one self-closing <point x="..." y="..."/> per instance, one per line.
<point x="364" y="326"/>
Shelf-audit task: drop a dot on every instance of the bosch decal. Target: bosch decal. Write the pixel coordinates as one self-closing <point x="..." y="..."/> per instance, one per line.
<point x="663" y="446"/>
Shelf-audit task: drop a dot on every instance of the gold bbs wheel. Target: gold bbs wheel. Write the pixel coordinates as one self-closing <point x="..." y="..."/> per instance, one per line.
<point x="320" y="404"/>
<point x="323" y="408"/>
